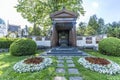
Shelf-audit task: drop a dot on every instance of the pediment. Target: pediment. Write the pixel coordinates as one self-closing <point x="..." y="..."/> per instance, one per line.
<point x="63" y="14"/>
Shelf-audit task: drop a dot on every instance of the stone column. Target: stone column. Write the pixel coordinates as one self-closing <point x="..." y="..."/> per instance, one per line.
<point x="72" y="36"/>
<point x="53" y="35"/>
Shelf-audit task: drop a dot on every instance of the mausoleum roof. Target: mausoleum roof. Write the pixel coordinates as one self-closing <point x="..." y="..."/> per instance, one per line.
<point x="64" y="14"/>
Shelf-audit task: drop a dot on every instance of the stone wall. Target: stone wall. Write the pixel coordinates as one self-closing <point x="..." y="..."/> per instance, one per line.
<point x="82" y="41"/>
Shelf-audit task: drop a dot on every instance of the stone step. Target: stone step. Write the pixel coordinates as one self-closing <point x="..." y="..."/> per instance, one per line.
<point x="64" y="50"/>
<point x="70" y="51"/>
<point x="63" y="54"/>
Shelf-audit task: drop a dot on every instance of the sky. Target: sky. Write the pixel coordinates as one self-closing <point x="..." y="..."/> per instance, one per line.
<point x="109" y="10"/>
<point x="9" y="13"/>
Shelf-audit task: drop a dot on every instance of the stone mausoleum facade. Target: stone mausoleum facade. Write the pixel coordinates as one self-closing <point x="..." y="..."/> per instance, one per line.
<point x="63" y="28"/>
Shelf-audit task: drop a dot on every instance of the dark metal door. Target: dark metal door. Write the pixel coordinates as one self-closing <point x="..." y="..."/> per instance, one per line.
<point x="63" y="38"/>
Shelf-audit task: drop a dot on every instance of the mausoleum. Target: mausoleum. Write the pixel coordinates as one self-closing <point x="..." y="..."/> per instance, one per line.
<point x="63" y="28"/>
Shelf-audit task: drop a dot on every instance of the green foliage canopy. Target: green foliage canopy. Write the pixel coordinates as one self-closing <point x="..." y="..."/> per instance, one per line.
<point x="113" y="29"/>
<point x="38" y="11"/>
<point x="95" y="26"/>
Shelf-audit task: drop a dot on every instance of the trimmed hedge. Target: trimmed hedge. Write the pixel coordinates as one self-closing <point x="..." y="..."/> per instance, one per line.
<point x="23" y="47"/>
<point x="6" y="42"/>
<point x="110" y="46"/>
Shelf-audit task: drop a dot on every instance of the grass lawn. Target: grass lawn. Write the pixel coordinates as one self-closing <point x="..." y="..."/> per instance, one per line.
<point x="90" y="75"/>
<point x="7" y="73"/>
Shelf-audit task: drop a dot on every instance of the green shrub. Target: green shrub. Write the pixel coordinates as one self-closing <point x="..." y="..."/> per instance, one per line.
<point x="110" y="46"/>
<point x="6" y="42"/>
<point x="23" y="47"/>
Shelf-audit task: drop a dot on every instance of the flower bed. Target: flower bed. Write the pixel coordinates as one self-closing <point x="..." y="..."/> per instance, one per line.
<point x="34" y="60"/>
<point x="99" y="61"/>
<point x="32" y="64"/>
<point x="100" y="65"/>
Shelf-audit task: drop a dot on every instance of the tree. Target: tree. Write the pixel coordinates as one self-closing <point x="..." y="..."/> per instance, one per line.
<point x="113" y="30"/>
<point x="73" y="5"/>
<point x="93" y="25"/>
<point x="81" y="29"/>
<point x="90" y="30"/>
<point x="30" y="30"/>
<point x="93" y="22"/>
<point x="117" y="32"/>
<point x="97" y="24"/>
<point x="101" y="26"/>
<point x="115" y="24"/>
<point x="38" y="11"/>
<point x="38" y="31"/>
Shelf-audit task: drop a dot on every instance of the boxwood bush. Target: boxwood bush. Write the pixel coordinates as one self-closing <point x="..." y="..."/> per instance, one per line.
<point x="110" y="46"/>
<point x="23" y="47"/>
<point x="6" y="42"/>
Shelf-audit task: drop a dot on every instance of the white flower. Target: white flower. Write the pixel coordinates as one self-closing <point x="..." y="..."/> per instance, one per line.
<point x="23" y="67"/>
<point x="112" y="68"/>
